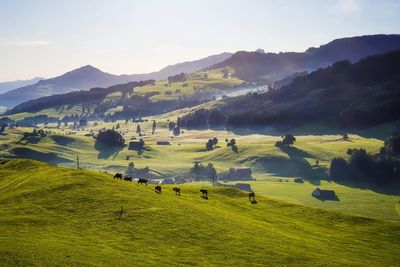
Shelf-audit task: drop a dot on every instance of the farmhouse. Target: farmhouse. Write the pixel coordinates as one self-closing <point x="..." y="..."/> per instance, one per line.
<point x="324" y="194"/>
<point x="243" y="173"/>
<point x="163" y="143"/>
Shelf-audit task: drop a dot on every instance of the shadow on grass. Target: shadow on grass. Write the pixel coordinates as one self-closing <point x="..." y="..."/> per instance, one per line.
<point x="387" y="189"/>
<point x="62" y="140"/>
<point x="29" y="140"/>
<point x="294" y="166"/>
<point x="328" y="198"/>
<point x="381" y="131"/>
<point x="27" y="153"/>
<point x="105" y="152"/>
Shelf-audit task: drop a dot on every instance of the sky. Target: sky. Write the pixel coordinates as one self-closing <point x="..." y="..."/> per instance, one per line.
<point x="46" y="38"/>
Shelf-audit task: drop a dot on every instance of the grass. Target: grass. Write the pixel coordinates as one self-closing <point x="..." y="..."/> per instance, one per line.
<point x="269" y="164"/>
<point x="55" y="216"/>
<point x="213" y="83"/>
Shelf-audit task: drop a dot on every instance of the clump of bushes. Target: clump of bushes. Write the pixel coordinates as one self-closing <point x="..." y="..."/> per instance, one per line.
<point x="380" y="168"/>
<point x="232" y="145"/>
<point x="211" y="144"/>
<point x="110" y="138"/>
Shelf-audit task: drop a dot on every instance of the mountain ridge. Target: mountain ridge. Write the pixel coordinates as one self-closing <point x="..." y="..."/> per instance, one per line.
<point x="87" y="77"/>
<point x="270" y="67"/>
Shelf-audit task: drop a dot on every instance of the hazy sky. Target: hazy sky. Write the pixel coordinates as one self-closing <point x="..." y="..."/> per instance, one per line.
<point x="47" y="38"/>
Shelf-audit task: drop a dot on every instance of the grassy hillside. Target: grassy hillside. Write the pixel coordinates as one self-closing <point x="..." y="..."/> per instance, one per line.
<point x="55" y="216"/>
<point x="198" y="87"/>
<point x="273" y="168"/>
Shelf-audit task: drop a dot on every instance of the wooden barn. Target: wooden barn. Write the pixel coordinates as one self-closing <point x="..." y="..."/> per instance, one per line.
<point x="163" y="143"/>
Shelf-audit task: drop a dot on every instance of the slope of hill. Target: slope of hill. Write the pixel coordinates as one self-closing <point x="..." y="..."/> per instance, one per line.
<point x="88" y="77"/>
<point x="8" y="86"/>
<point x="135" y="99"/>
<point x="362" y="94"/>
<point x="55" y="216"/>
<point x="254" y="66"/>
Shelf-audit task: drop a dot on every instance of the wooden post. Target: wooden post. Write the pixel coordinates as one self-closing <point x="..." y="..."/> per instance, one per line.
<point x="120" y="213"/>
<point x="77" y="162"/>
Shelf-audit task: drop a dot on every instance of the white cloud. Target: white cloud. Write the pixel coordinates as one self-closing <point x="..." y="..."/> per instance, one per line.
<point x="28" y="43"/>
<point x="348" y="6"/>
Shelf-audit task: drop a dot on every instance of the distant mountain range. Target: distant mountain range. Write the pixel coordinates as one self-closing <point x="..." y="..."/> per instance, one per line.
<point x="258" y="66"/>
<point x="8" y="86"/>
<point x="88" y="77"/>
<point x="255" y="66"/>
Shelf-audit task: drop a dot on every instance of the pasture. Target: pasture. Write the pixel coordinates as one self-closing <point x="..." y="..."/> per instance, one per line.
<point x="57" y="216"/>
<point x="273" y="168"/>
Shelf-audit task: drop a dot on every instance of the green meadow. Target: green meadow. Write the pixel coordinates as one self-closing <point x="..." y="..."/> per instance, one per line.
<point x="56" y="216"/>
<point x="273" y="169"/>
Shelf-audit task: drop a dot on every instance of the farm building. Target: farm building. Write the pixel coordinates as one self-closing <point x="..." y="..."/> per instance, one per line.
<point x="243" y="174"/>
<point x="324" y="194"/>
<point x="163" y="143"/>
<point x="136" y="145"/>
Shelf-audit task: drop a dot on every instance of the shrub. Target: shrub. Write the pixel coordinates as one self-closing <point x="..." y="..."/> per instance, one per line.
<point x="110" y="138"/>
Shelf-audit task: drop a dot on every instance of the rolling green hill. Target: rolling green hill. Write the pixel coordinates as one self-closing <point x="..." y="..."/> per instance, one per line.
<point x="273" y="169"/>
<point x="128" y="100"/>
<point x="56" y="216"/>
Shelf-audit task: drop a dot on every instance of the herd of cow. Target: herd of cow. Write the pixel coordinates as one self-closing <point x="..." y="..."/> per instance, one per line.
<point x="157" y="188"/>
<point x="177" y="190"/>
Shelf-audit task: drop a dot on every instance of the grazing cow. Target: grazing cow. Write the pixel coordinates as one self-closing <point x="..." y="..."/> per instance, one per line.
<point x="126" y="178"/>
<point x="157" y="188"/>
<point x="177" y="190"/>
<point x="252" y="195"/>
<point x="118" y="176"/>
<point x="142" y="181"/>
<point x="204" y="192"/>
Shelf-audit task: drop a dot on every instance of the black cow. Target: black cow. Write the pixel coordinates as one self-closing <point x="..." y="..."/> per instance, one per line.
<point x="157" y="188"/>
<point x="252" y="195"/>
<point x="177" y="190"/>
<point x="126" y="178"/>
<point x="205" y="193"/>
<point x="118" y="176"/>
<point x="142" y="181"/>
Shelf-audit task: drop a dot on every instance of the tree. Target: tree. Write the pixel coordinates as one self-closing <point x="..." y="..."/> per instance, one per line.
<point x="178" y="122"/>
<point x="118" y="126"/>
<point x="216" y="118"/>
<point x="392" y="145"/>
<point x="288" y="139"/>
<point x="212" y="172"/>
<point x="83" y="122"/>
<point x="176" y="131"/>
<point x="339" y="169"/>
<point x="110" y="138"/>
<point x="131" y="169"/>
<point x="171" y="125"/>
<point x="215" y="141"/>
<point x="209" y="145"/>
<point x="154" y="127"/>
